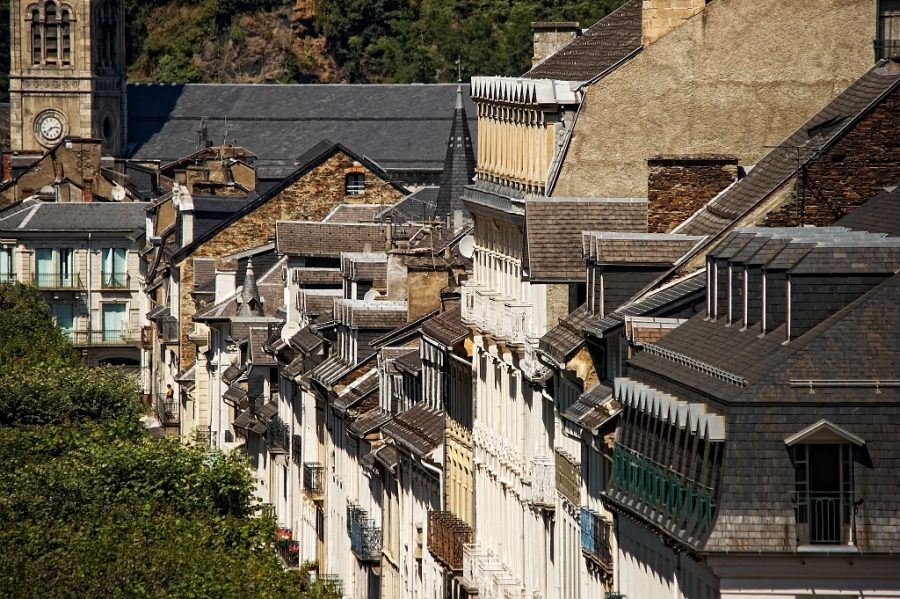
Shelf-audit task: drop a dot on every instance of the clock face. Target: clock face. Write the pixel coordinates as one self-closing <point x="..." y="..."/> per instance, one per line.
<point x="50" y="128"/>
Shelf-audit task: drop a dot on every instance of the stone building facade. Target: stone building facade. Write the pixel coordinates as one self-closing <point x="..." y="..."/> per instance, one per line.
<point x="67" y="74"/>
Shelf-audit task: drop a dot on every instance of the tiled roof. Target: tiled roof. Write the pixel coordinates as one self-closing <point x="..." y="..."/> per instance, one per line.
<point x="459" y="162"/>
<point x="388" y="456"/>
<point x="555" y="225"/>
<point x="295" y="368"/>
<point x="419" y="429"/>
<point x="566" y="337"/>
<point x="316" y="239"/>
<point x="417" y="207"/>
<point x="306" y="340"/>
<point x="598" y="49"/>
<point x="317" y="276"/>
<point x="637" y="248"/>
<point x="411" y="361"/>
<point x="400" y="127"/>
<point x="880" y="214"/>
<point x="447" y="327"/>
<point x="355" y="213"/>
<point x="364" y="314"/>
<point x="364" y="266"/>
<point x="369" y="422"/>
<point x="594" y="408"/>
<point x="356" y="384"/>
<point x="330" y="371"/>
<point x="779" y="165"/>
<point x="258" y="340"/>
<point x="37" y="216"/>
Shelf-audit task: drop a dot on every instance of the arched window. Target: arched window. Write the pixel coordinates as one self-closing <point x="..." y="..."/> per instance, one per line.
<point x="51" y="34"/>
<point x="37" y="36"/>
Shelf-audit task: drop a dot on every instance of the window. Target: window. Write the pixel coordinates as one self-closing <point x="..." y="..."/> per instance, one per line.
<point x="113" y="272"/>
<point x="113" y="322"/>
<point x="7" y="266"/>
<point x="888" y="42"/>
<point x="824" y="502"/>
<point x="355" y="184"/>
<point x="64" y="314"/>
<point x="51" y="34"/>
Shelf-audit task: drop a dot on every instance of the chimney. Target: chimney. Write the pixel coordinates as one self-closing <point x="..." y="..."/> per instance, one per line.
<point x="659" y="17"/>
<point x="225" y="284"/>
<point x="6" y="174"/>
<point x="550" y="38"/>
<point x="87" y="192"/>
<point x="182" y="200"/>
<point x="678" y="186"/>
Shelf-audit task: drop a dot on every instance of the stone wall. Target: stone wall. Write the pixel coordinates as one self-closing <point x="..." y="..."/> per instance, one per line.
<point x="678" y="186"/>
<point x="734" y="79"/>
<point x="849" y="173"/>
<point x="550" y="38"/>
<point x="659" y="17"/>
<point x="311" y="197"/>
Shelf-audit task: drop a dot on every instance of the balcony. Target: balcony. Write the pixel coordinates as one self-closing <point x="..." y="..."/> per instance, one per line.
<point x="447" y="535"/>
<point x="129" y="335"/>
<point x="167" y="410"/>
<point x="56" y="281"/>
<point x="115" y="280"/>
<point x="824" y="518"/>
<point x="484" y="571"/>
<point x="663" y="489"/>
<point x="886" y="49"/>
<point x="595" y="535"/>
<point x="365" y="537"/>
<point x="543" y="483"/>
<point x="568" y="477"/>
<point x="278" y="436"/>
<point x="287" y="548"/>
<point x="314" y="480"/>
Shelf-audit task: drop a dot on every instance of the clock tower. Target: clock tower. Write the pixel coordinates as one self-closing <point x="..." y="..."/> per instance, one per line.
<point x="67" y="73"/>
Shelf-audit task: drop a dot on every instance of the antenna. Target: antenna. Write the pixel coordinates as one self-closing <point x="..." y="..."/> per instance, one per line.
<point x="458" y="70"/>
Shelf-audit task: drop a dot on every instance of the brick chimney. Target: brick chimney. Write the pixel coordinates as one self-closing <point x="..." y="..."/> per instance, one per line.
<point x="87" y="192"/>
<point x="550" y="38"/>
<point x="680" y="185"/>
<point x="659" y="17"/>
<point x="6" y="173"/>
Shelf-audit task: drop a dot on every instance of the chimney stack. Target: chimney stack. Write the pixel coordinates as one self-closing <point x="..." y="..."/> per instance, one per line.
<point x="659" y="17"/>
<point x="550" y="38"/>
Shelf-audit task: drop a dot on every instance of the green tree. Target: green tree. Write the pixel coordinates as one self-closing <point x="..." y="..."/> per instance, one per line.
<point x="27" y="332"/>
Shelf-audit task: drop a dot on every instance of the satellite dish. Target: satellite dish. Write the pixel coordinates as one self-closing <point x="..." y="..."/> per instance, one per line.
<point x="289" y="330"/>
<point x="467" y="246"/>
<point x="371" y="294"/>
<point x="118" y="192"/>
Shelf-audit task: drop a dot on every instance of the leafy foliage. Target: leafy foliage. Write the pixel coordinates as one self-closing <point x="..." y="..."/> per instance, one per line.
<point x="27" y="332"/>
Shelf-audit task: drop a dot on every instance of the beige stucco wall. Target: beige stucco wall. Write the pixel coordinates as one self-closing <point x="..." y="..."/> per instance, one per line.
<point x="735" y="78"/>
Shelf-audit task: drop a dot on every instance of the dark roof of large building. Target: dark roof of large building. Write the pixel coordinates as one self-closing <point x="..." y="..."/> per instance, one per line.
<point x="400" y="127"/>
<point x="36" y="216"/>
<point x="419" y="429"/>
<point x="555" y="226"/>
<point x="804" y="145"/>
<point x="312" y="238"/>
<point x="600" y="48"/>
<point x="880" y="214"/>
<point x="447" y="327"/>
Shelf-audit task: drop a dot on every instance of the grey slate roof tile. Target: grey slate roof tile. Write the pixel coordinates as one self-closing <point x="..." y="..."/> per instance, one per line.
<point x="880" y="214"/>
<point x="419" y="429"/>
<point x="447" y="327"/>
<point x="36" y="216"/>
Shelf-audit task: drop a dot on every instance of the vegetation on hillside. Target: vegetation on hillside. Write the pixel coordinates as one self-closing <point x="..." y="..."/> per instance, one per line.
<point x="92" y="506"/>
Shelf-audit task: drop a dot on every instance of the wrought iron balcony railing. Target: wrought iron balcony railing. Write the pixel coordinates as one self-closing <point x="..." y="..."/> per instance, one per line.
<point x="130" y="335"/>
<point x="56" y="281"/>
<point x="543" y="483"/>
<point x="167" y="409"/>
<point x="568" y="477"/>
<point x="314" y="480"/>
<point x="278" y="435"/>
<point x="824" y="518"/>
<point x="447" y="535"/>
<point x="663" y="489"/>
<point x="595" y="539"/>
<point x="115" y="280"/>
<point x="365" y="536"/>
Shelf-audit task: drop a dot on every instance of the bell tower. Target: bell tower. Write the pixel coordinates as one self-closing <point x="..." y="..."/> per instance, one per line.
<point x="67" y="73"/>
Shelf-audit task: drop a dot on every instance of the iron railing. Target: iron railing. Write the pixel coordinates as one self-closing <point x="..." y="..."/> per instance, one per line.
<point x="595" y="538"/>
<point x="824" y="518"/>
<point x="278" y="435"/>
<point x="447" y="535"/>
<point x="167" y="409"/>
<point x="365" y="537"/>
<point x="568" y="477"/>
<point x="131" y="335"/>
<point x="663" y="489"/>
<point x="115" y="280"/>
<point x="332" y="584"/>
<point x="43" y="280"/>
<point x="314" y="480"/>
<point x="886" y="49"/>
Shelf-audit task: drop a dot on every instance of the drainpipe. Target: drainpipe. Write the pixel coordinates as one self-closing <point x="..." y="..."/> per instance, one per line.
<point x="89" y="285"/>
<point x="440" y="475"/>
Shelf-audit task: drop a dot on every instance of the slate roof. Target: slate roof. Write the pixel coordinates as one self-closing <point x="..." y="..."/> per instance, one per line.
<point x="388" y="456"/>
<point x="317" y="276"/>
<point x="364" y="266"/>
<point x="369" y="422"/>
<point x="779" y="165"/>
<point x="594" y="408"/>
<point x="601" y="47"/>
<point x="555" y="225"/>
<point x="271" y="292"/>
<point x="355" y="213"/>
<point x="258" y="355"/>
<point x="376" y="314"/>
<point x="209" y="211"/>
<point x="417" y="207"/>
<point x="637" y="248"/>
<point x="327" y="240"/>
<point x="35" y="216"/>
<point x="419" y="429"/>
<point x="411" y="361"/>
<point x="880" y="214"/>
<point x="459" y="162"/>
<point x="563" y="340"/>
<point x="400" y="127"/>
<point x="447" y="327"/>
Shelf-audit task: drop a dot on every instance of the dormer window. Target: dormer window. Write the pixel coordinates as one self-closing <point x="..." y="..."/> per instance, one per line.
<point x="355" y="184"/>
<point x="824" y="502"/>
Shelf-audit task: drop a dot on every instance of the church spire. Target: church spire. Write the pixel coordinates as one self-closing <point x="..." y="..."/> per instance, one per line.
<point x="250" y="302"/>
<point x="459" y="163"/>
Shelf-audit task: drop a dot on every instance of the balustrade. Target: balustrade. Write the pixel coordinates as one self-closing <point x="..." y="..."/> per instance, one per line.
<point x="314" y="480"/>
<point x="543" y="483"/>
<point x="447" y="536"/>
<point x="595" y="539"/>
<point x="365" y="537"/>
<point x="167" y="409"/>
